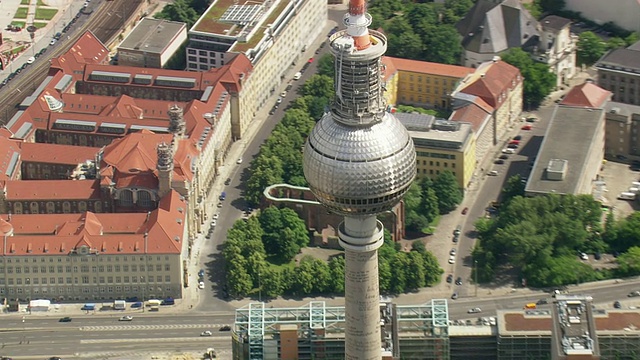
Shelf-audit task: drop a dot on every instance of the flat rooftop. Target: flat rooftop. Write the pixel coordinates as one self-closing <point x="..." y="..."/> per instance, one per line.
<point x="569" y="136"/>
<point x="152" y="35"/>
<point x="426" y="131"/>
<point x="230" y="17"/>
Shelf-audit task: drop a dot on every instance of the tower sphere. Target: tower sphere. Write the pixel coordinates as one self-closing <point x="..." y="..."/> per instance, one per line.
<point x="359" y="170"/>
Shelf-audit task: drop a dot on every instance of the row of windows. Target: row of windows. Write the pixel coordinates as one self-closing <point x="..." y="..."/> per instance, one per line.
<point x="85" y="280"/>
<point x="622" y="79"/>
<point x="85" y="258"/>
<point x="194" y="59"/>
<point x="84" y="289"/>
<point x="436" y="91"/>
<point x="451" y="82"/>
<point x="82" y="268"/>
<point x="198" y="67"/>
<point x="436" y="155"/>
<point x="437" y="163"/>
<point x="204" y="53"/>
<point x="433" y="172"/>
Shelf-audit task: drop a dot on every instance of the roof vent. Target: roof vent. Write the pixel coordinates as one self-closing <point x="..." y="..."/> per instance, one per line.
<point x="615" y="110"/>
<point x="176" y="238"/>
<point x="179" y="221"/>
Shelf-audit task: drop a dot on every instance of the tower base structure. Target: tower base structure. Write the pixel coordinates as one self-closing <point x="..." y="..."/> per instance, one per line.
<point x="361" y="237"/>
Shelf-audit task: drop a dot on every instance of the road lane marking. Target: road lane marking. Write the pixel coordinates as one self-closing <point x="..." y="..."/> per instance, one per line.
<point x="176" y="340"/>
<point x="149" y="327"/>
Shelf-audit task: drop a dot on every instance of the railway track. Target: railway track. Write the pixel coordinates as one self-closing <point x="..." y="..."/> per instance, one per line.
<point x="106" y="21"/>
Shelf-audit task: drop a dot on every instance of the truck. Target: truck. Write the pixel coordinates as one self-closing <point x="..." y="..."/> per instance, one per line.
<point x="627" y="196"/>
<point x="154" y="304"/>
<point x="119" y="305"/>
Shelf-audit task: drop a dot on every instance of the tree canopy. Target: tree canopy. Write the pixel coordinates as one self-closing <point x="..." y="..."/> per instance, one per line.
<point x="541" y="238"/>
<point x="538" y="80"/>
<point x="590" y="48"/>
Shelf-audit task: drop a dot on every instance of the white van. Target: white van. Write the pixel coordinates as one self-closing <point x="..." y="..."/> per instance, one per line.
<point x="627" y="196"/>
<point x="635" y="184"/>
<point x="633" y="190"/>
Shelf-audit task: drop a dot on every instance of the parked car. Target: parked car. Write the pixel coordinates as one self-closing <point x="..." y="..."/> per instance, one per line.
<point x="206" y="333"/>
<point x="542" y="302"/>
<point x="532" y="119"/>
<point x="492" y="173"/>
<point x="499" y="162"/>
<point x="201" y="285"/>
<point x="454" y="296"/>
<point x="512" y="146"/>
<point x="65" y="319"/>
<point x="52" y="42"/>
<point x="452" y="259"/>
<point x="503" y="157"/>
<point x="239" y="161"/>
<point x="465" y="211"/>
<point x="597" y="256"/>
<point x="634" y="294"/>
<point x="474" y="310"/>
<point x="517" y="142"/>
<point x="201" y="273"/>
<point x="225" y="328"/>
<point x="456" y="238"/>
<point x="126" y="318"/>
<point x="228" y="181"/>
<point x="517" y="137"/>
<point x="136" y="305"/>
<point x="526" y="127"/>
<point x="459" y="280"/>
<point x="584" y="256"/>
<point x="452" y="252"/>
<point x="450" y="278"/>
<point x="297" y="76"/>
<point x="617" y="305"/>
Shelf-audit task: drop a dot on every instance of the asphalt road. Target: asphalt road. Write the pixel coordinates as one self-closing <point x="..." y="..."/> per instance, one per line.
<point x="103" y="336"/>
<point x="99" y="335"/>
<point x="490" y="189"/>
<point x="234" y="205"/>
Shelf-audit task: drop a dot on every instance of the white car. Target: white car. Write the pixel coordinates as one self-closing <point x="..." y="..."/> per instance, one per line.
<point x="31" y="60"/>
<point x="452" y="259"/>
<point x="297" y="76"/>
<point x="201" y="285"/>
<point x="215" y="216"/>
<point x="52" y="42"/>
<point x="279" y="101"/>
<point x="584" y="256"/>
<point x="206" y="333"/>
<point x="239" y="161"/>
<point x="508" y="151"/>
<point x="452" y="252"/>
<point x="474" y="311"/>
<point x="126" y="318"/>
<point x="492" y="173"/>
<point x="283" y="94"/>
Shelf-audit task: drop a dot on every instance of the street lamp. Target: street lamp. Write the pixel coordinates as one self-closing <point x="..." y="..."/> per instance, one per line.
<point x="143" y="286"/>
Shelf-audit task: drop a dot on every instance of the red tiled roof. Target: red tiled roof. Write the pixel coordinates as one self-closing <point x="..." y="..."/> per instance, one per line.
<point x="587" y="95"/>
<point x="473" y="113"/>
<point x="492" y="79"/>
<point x="51" y="190"/>
<point x="135" y="153"/>
<point x="57" y="154"/>
<point x="9" y="159"/>
<point x="425" y="67"/>
<point x="59" y="234"/>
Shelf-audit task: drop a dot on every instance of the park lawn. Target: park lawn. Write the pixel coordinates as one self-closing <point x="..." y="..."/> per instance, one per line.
<point x="45" y="14"/>
<point x="25" y="2"/>
<point x="21" y="13"/>
<point x="42" y="3"/>
<point x="39" y="24"/>
<point x="21" y="24"/>
<point x="432" y="226"/>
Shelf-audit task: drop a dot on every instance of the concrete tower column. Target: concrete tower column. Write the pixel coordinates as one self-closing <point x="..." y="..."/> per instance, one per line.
<point x="361" y="238"/>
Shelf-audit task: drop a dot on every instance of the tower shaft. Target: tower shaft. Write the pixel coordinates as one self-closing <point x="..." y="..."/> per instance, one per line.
<point x="361" y="237"/>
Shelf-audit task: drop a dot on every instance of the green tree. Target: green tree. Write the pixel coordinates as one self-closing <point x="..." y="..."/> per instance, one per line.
<point x="615" y="42"/>
<point x="629" y="262"/>
<point x="265" y="171"/>
<point x="384" y="275"/>
<point x="446" y="187"/>
<point x="179" y="10"/>
<point x="272" y="282"/>
<point x="514" y="187"/>
<point x="399" y="266"/>
<point x="326" y="65"/>
<point x="590" y="48"/>
<point x="551" y="6"/>
<point x="318" y="86"/>
<point x="239" y="281"/>
<point x="432" y="269"/>
<point x="414" y="219"/>
<point x="628" y="232"/>
<point x="610" y="235"/>
<point x="538" y="80"/>
<point x="336" y="269"/>
<point x="322" y="282"/>
<point x="303" y="278"/>
<point x="415" y="272"/>
<point x="442" y="44"/>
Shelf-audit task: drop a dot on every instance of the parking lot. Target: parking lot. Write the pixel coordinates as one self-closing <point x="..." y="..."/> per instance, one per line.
<point x="618" y="178"/>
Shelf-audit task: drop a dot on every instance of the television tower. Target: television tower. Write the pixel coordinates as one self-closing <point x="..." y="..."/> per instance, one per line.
<point x="359" y="161"/>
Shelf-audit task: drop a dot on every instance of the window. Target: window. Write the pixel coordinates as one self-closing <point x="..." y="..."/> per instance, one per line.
<point x="117" y="268"/>
<point x="159" y="278"/>
<point x="110" y="279"/>
<point x="75" y="269"/>
<point x="134" y="268"/>
<point x="126" y="279"/>
<point x="202" y="53"/>
<point x="141" y="267"/>
<point x="191" y="51"/>
<point x="60" y="280"/>
<point x="85" y="268"/>
<point x="52" y="269"/>
<point x="101" y="268"/>
<point x="118" y="279"/>
<point x="167" y="267"/>
<point x="44" y="281"/>
<point x="167" y="278"/>
<point x="158" y="267"/>
<point x="35" y="269"/>
<point x="19" y="269"/>
<point x="109" y="268"/>
<point x="69" y="281"/>
<point x="10" y="269"/>
<point x="94" y="269"/>
<point x="193" y="58"/>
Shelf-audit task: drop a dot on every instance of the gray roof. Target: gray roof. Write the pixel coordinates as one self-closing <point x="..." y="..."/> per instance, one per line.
<point x="152" y="35"/>
<point x="622" y="108"/>
<point x="493" y="26"/>
<point x="620" y="59"/>
<point x="570" y="136"/>
<point x="635" y="46"/>
<point x="415" y="121"/>
<point x="555" y="22"/>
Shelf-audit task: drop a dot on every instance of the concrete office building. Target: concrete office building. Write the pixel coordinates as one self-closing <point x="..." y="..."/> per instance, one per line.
<point x="151" y="43"/>
<point x="619" y="72"/>
<point x="359" y="161"/>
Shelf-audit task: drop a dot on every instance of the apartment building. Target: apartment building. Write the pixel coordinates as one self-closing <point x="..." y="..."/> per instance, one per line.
<point x="441" y="145"/>
<point x="271" y="34"/>
<point x="421" y="83"/>
<point x="619" y="72"/>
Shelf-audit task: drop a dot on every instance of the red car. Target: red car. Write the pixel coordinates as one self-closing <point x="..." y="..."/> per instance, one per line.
<point x="517" y="142"/>
<point x="310" y="60"/>
<point x="465" y="210"/>
<point x="526" y="127"/>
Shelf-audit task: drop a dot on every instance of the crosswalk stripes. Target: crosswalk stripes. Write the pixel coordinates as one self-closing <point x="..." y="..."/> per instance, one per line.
<point x="150" y="327"/>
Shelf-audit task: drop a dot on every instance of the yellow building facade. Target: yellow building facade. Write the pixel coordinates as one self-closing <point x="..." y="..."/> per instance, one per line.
<point x="421" y="83"/>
